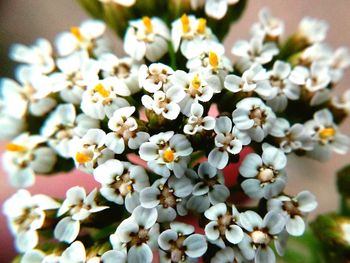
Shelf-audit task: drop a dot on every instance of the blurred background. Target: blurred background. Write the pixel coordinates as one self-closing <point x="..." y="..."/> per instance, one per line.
<point x="23" y="21"/>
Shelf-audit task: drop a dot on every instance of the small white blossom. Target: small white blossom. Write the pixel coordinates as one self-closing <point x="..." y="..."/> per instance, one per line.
<point x="217" y="8"/>
<point x="155" y="77"/>
<point x="339" y="61"/>
<point x="269" y="27"/>
<point x="342" y="102"/>
<point x="196" y="123"/>
<point x="312" y="30"/>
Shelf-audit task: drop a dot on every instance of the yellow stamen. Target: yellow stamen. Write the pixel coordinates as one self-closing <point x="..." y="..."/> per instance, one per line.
<point x="129" y="187"/>
<point x="148" y="24"/>
<point x="82" y="158"/>
<point x="76" y="32"/>
<point x="168" y="155"/>
<point x="196" y="82"/>
<point x="185" y="23"/>
<point x="12" y="147"/>
<point x="327" y="133"/>
<point x="202" y="23"/>
<point x="101" y="90"/>
<point x="213" y="59"/>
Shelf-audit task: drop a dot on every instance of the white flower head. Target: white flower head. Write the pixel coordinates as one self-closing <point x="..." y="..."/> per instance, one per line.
<point x="254" y="117"/>
<point x="147" y="37"/>
<point x="179" y="243"/>
<point x="196" y="123"/>
<point x="265" y="175"/>
<point x="121" y="182"/>
<point x="25" y="156"/>
<point x="313" y="30"/>
<point x="155" y="77"/>
<point x="167" y="152"/>
<point x="295" y="209"/>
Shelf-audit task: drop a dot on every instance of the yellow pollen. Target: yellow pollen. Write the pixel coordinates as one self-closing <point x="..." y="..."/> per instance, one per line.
<point x="196" y="82"/>
<point x="82" y="158"/>
<point x="185" y="23"/>
<point x="168" y="155"/>
<point x="12" y="147"/>
<point x="202" y="23"/>
<point x="327" y="133"/>
<point x="213" y="59"/>
<point x="101" y="90"/>
<point x="148" y="24"/>
<point x="76" y="32"/>
<point x="129" y="187"/>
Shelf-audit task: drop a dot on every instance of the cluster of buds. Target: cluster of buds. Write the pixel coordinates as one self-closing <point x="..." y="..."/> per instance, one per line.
<point x="157" y="128"/>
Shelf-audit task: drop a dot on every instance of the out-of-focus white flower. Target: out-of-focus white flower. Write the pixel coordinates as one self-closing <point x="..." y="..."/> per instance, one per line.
<point x="39" y="55"/>
<point x="168" y="196"/>
<point x="268" y="27"/>
<point x="312" y="30"/>
<point x="87" y="37"/>
<point x="14" y="126"/>
<point x="147" y="37"/>
<point x="101" y="99"/>
<point x="25" y="215"/>
<point x="123" y="71"/>
<point x="38" y="256"/>
<point x="320" y="52"/>
<point x="291" y="138"/>
<point x="138" y="235"/>
<point x="209" y="188"/>
<point x="223" y="225"/>
<point x="167" y="152"/>
<point x="314" y="79"/>
<point x="75" y="253"/>
<point x="180" y="244"/>
<point x="121" y="182"/>
<point x="295" y="209"/>
<point x="266" y="175"/>
<point x="254" y="117"/>
<point x="127" y="3"/>
<point x="79" y="207"/>
<point x="261" y="232"/>
<point x="25" y="156"/>
<point x="214" y="8"/>
<point x="339" y="61"/>
<point x="63" y="124"/>
<point x="125" y="131"/>
<point x="228" y="140"/>
<point x="90" y="151"/>
<point x="155" y="77"/>
<point x="342" y="102"/>
<point x="326" y="135"/>
<point x="196" y="123"/>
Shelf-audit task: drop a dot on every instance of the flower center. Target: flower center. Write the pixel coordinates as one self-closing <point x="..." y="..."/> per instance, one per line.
<point x="202" y="23"/>
<point x="196" y="82"/>
<point x="260" y="237"/>
<point x="148" y="24"/>
<point x="258" y="116"/>
<point x="168" y="155"/>
<point x="266" y="175"/>
<point x="101" y="90"/>
<point x="327" y="133"/>
<point x="12" y="147"/>
<point x="167" y="197"/>
<point x="140" y="237"/>
<point x="213" y="59"/>
<point x="76" y="32"/>
<point x="185" y="23"/>
<point x="291" y="208"/>
<point x="82" y="158"/>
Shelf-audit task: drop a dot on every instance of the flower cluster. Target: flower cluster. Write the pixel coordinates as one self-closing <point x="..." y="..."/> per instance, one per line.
<point x="157" y="128"/>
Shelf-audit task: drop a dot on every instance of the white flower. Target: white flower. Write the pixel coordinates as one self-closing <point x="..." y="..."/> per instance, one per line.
<point x="339" y="61"/>
<point x="286" y="90"/>
<point x="314" y="79"/>
<point x="269" y="27"/>
<point x="168" y="196"/>
<point x="165" y="103"/>
<point x="167" y="152"/>
<point x="223" y="225"/>
<point x="113" y="256"/>
<point x="101" y="100"/>
<point x="75" y="253"/>
<point x="121" y="182"/>
<point x="254" y="117"/>
<point x="124" y="71"/>
<point x="295" y="209"/>
<point x="62" y="125"/>
<point x="138" y="234"/>
<point x="342" y="102"/>
<point x="14" y="126"/>
<point x="326" y="135"/>
<point x="127" y="3"/>
<point x="155" y="77"/>
<point x="25" y="215"/>
<point x="209" y="188"/>
<point x="147" y="37"/>
<point x="228" y="140"/>
<point x="254" y="79"/>
<point x="180" y="244"/>
<point x="79" y="207"/>
<point x="266" y="175"/>
<point x="291" y="138"/>
<point x="89" y="151"/>
<point x="86" y="37"/>
<point x="261" y="232"/>
<point x="196" y="123"/>
<point x="125" y="131"/>
<point x="75" y="73"/>
<point x="39" y="55"/>
<point x="318" y="52"/>
<point x="312" y="30"/>
<point x="25" y="156"/>
<point x="217" y="8"/>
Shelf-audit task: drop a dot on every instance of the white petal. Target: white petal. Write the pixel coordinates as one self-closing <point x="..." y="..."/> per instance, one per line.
<point x="166" y="238"/>
<point x="67" y="230"/>
<point x="295" y="226"/>
<point x="218" y="158"/>
<point x="306" y="201"/>
<point x="145" y="217"/>
<point x="140" y="254"/>
<point x="234" y="234"/>
<point x="274" y="221"/>
<point x="265" y="255"/>
<point x="196" y="245"/>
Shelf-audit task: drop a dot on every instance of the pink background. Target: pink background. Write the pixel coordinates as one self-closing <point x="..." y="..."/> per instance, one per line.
<point x="23" y="21"/>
